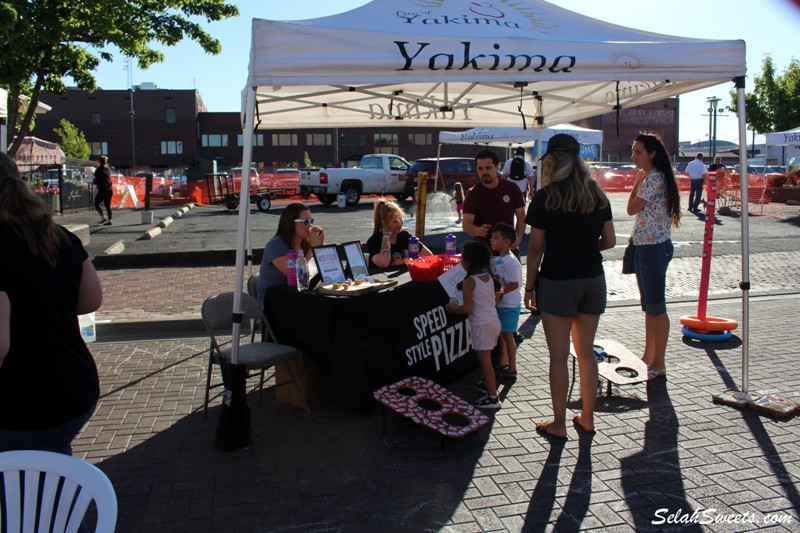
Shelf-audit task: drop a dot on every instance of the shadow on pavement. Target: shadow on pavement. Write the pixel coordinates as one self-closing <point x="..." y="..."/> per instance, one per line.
<point x="654" y="473"/>
<point x="331" y="470"/>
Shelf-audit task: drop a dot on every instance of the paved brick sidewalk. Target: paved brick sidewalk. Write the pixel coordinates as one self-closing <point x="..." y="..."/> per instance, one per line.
<point x="334" y="470"/>
<point x="154" y="294"/>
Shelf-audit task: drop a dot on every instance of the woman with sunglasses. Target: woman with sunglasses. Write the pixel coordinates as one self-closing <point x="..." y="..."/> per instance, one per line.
<point x="296" y="231"/>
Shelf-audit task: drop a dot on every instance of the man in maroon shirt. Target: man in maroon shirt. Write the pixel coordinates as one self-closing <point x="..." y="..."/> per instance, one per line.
<point x="493" y="200"/>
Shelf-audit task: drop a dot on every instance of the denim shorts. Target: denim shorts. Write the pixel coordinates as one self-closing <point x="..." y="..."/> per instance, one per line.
<point x="651" y="262"/>
<point x="568" y="297"/>
<point x="509" y="318"/>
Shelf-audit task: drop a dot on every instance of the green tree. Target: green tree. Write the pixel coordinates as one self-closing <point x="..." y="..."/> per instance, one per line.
<point x="45" y="41"/>
<point x="73" y="143"/>
<point x="774" y="104"/>
<point x="307" y="160"/>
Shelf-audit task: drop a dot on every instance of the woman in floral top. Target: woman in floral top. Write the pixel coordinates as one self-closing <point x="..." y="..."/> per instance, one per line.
<point x="656" y="203"/>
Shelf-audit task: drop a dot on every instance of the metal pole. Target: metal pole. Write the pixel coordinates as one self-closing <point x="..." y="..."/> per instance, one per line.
<point x="745" y="282"/>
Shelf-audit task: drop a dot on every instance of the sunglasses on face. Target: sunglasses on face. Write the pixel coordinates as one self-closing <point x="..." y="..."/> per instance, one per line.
<point x="305" y="221"/>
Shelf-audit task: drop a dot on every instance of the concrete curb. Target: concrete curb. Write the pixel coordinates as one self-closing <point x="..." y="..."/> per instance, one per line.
<point x="124" y="331"/>
<point x="81" y="231"/>
<point x="156" y="230"/>
<point x="152" y="233"/>
<point x="116" y="248"/>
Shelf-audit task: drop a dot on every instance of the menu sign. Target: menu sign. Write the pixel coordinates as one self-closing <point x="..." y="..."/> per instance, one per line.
<point x="328" y="264"/>
<point x="355" y="260"/>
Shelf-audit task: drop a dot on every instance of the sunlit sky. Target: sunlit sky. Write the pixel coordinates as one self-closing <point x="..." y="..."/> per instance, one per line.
<point x="767" y="26"/>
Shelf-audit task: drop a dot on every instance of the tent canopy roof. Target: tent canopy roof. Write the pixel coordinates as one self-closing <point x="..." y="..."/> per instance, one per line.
<point x="456" y="63"/>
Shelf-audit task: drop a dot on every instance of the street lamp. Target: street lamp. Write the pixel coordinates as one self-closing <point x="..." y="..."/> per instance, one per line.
<point x="753" y="142"/>
<point x="712" y="125"/>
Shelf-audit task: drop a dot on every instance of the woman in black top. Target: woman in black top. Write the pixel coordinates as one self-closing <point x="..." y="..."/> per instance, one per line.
<point x="571" y="222"/>
<point x="102" y="182"/>
<point x="48" y="379"/>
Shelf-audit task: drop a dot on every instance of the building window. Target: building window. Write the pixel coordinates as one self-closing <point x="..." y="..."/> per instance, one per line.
<point x="258" y="139"/>
<point x="99" y="148"/>
<point x="387" y="150"/>
<point x="215" y="139"/>
<point x="171" y="147"/>
<point x="420" y="139"/>
<point x="318" y="139"/>
<point x="170" y="116"/>
<point x="385" y="139"/>
<point x="284" y="139"/>
<point x="352" y="139"/>
<point x="95" y="118"/>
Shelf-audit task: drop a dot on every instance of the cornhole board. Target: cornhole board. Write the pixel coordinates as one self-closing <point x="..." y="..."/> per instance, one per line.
<point x="621" y="367"/>
<point x="430" y="405"/>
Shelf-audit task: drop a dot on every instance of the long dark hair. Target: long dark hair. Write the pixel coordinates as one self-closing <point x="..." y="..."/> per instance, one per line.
<point x="569" y="183"/>
<point x="286" y="224"/>
<point x="479" y="257"/>
<point x="26" y="214"/>
<point x="652" y="142"/>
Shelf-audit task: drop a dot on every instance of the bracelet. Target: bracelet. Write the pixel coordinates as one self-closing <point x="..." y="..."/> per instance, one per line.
<point x="530" y="290"/>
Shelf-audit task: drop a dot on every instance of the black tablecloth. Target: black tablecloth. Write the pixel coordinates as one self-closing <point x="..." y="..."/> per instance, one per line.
<point x="365" y="342"/>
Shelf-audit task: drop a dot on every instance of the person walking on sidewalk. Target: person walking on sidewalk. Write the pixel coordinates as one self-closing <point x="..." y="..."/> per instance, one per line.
<point x="48" y="379"/>
<point x="102" y="183"/>
<point x="696" y="170"/>
<point x="655" y="202"/>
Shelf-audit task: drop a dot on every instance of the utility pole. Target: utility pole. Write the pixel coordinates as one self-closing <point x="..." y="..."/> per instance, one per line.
<point x="713" y="101"/>
<point x="132" y="114"/>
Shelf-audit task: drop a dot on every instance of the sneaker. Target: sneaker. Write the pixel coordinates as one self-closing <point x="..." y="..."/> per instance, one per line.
<point x="488" y="402"/>
<point x="107" y="223"/>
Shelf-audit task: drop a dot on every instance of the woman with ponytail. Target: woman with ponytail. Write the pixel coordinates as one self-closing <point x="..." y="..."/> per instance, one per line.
<point x="388" y="244"/>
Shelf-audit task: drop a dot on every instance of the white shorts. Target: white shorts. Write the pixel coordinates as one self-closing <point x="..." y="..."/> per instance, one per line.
<point x="484" y="336"/>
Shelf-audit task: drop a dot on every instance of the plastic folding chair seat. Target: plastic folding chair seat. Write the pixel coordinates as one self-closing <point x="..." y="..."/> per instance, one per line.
<point x="53" y="490"/>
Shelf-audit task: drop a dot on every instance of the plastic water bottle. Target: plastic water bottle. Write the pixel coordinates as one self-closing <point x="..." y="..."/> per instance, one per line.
<point x="291" y="273"/>
<point x="413" y="247"/>
<point x="301" y="268"/>
<point x="87" y="325"/>
<point x="450" y="244"/>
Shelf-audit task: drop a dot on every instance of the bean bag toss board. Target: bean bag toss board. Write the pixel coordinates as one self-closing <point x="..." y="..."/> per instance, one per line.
<point x="430" y="405"/>
<point x="615" y="363"/>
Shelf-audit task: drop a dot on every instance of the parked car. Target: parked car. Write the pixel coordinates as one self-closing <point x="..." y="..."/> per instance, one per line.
<point x="451" y="170"/>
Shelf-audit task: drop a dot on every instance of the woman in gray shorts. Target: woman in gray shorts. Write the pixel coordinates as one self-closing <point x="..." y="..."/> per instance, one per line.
<point x="571" y="222"/>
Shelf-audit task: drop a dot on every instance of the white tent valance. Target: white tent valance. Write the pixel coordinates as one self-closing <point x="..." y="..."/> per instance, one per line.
<point x="517" y="136"/>
<point x="784" y="138"/>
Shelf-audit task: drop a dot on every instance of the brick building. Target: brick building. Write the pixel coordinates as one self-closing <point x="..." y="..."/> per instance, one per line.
<point x="172" y="128"/>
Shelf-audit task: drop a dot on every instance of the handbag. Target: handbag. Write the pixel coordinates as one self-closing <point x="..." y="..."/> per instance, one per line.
<point x="627" y="259"/>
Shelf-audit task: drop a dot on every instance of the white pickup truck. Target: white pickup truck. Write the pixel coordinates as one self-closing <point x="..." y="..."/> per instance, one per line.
<point x="378" y="174"/>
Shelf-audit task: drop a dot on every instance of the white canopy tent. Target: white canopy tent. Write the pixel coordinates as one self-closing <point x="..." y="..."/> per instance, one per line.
<point x="507" y="137"/>
<point x="781" y="138"/>
<point x="458" y="63"/>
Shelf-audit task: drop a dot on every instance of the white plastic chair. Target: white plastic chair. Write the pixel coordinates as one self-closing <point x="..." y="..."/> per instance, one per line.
<point x="68" y="485"/>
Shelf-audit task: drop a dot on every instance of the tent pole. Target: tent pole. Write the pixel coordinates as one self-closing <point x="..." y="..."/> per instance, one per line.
<point x="244" y="211"/>
<point x="745" y="283"/>
<point x="539" y="127"/>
